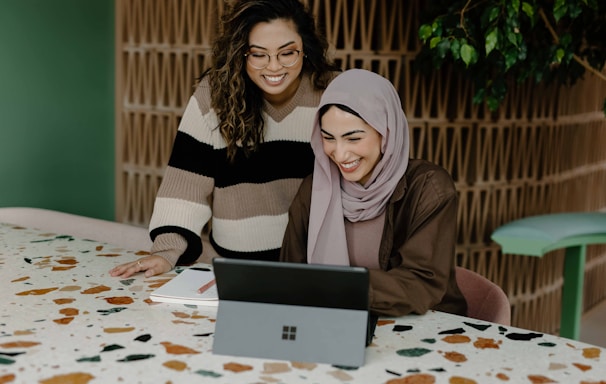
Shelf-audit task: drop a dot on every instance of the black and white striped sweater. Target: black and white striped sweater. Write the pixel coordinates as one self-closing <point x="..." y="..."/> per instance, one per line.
<point x="247" y="200"/>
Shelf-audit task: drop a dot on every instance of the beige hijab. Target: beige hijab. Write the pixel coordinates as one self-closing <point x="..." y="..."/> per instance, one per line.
<point x="375" y="99"/>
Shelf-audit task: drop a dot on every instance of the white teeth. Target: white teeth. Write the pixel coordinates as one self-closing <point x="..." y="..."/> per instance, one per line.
<point x="274" y="78"/>
<point x="350" y="165"/>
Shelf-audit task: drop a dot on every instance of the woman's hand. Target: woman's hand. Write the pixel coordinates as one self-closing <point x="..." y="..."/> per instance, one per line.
<point x="151" y="265"/>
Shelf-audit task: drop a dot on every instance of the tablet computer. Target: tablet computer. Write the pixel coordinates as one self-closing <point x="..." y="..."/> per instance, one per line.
<point x="291" y="311"/>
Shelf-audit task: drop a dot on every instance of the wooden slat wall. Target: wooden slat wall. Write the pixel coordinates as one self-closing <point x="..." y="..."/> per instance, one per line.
<point x="541" y="152"/>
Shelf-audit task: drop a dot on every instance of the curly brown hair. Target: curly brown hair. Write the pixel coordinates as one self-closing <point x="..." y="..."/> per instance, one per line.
<point x="237" y="101"/>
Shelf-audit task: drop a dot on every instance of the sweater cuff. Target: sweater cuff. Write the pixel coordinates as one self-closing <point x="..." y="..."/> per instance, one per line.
<point x="170" y="246"/>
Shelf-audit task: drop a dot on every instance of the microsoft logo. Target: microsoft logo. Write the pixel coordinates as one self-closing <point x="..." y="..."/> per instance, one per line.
<point x="289" y="332"/>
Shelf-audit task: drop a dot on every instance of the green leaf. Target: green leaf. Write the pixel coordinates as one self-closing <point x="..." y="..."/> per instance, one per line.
<point x="559" y="9"/>
<point x="568" y="57"/>
<point x="522" y="51"/>
<point x="528" y="9"/>
<point x="442" y="48"/>
<point x="515" y="6"/>
<point x="574" y="11"/>
<point x="493" y="103"/>
<point x="511" y="57"/>
<point x="511" y="37"/>
<point x="436" y="27"/>
<point x="425" y="32"/>
<point x="455" y="48"/>
<point x="467" y="54"/>
<point x="494" y="13"/>
<point x="479" y="96"/>
<point x="559" y="55"/>
<point x="492" y="38"/>
<point x="434" y="41"/>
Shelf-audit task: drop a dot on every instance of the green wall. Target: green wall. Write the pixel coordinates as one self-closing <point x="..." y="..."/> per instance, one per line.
<point x="57" y="105"/>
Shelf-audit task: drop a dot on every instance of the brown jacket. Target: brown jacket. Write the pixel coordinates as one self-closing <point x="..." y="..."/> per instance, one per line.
<point x="417" y="251"/>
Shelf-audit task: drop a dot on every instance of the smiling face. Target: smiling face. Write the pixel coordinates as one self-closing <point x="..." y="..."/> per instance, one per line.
<point x="277" y="82"/>
<point x="352" y="144"/>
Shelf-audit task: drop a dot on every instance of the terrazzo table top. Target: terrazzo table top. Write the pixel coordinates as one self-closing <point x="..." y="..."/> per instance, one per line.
<point x="63" y="319"/>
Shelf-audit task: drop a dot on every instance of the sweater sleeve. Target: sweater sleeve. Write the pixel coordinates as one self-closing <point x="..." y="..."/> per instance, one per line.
<point x="422" y="260"/>
<point x="170" y="246"/>
<point x="294" y="243"/>
<point x="183" y="203"/>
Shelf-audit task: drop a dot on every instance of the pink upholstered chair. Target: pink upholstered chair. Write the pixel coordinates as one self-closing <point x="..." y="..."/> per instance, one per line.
<point x="485" y="299"/>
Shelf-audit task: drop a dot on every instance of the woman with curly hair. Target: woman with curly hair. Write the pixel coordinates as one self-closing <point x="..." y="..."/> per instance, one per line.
<point x="253" y="109"/>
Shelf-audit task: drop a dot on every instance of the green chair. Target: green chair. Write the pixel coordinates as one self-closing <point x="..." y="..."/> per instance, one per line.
<point x="538" y="235"/>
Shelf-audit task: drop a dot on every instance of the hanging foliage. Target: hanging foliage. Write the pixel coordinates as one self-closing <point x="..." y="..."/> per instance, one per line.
<point x="497" y="40"/>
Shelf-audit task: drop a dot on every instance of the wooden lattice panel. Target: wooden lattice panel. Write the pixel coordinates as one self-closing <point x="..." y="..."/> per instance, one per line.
<point x="541" y="152"/>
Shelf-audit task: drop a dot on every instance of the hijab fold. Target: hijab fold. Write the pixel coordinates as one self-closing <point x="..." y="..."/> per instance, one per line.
<point x="375" y="99"/>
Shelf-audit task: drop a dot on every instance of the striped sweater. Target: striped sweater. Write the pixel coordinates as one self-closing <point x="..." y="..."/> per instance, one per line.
<point x="247" y="200"/>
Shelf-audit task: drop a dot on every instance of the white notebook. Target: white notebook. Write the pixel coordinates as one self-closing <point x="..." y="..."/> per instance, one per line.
<point x="183" y="289"/>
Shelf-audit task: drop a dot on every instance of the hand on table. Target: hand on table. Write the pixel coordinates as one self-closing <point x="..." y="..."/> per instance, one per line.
<point x="151" y="265"/>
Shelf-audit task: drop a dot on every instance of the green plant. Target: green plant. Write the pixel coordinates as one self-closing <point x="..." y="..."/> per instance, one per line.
<point x="496" y="40"/>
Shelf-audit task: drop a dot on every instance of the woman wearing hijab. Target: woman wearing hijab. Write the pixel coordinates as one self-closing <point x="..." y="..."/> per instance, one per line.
<point x="367" y="204"/>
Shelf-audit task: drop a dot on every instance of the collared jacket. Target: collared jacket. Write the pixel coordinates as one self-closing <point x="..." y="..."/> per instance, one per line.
<point x="417" y="249"/>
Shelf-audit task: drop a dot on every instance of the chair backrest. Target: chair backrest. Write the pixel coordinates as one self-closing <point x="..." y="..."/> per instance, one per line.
<point x="123" y="235"/>
<point x="485" y="299"/>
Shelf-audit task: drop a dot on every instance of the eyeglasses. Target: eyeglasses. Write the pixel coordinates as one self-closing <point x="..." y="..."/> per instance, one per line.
<point x="260" y="60"/>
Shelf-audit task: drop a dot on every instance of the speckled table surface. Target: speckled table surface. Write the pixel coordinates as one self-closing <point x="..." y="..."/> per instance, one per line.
<point x="63" y="319"/>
